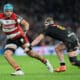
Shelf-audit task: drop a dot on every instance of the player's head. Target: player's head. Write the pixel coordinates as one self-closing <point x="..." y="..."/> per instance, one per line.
<point x="8" y="9"/>
<point x="48" y="21"/>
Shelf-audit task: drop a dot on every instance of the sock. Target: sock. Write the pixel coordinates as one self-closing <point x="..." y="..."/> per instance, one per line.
<point x="62" y="64"/>
<point x="17" y="68"/>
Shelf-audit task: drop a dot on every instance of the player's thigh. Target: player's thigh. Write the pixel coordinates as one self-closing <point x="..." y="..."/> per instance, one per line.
<point x="60" y="46"/>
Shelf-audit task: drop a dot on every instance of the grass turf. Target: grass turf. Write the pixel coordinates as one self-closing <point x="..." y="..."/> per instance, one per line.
<point x="35" y="70"/>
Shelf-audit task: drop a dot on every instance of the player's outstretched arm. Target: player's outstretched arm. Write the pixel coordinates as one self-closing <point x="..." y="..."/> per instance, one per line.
<point x="37" y="40"/>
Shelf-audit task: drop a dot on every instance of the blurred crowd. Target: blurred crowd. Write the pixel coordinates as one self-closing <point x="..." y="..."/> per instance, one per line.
<point x="64" y="12"/>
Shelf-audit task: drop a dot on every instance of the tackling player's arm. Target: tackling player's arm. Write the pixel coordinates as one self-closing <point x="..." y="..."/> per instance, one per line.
<point x="40" y="37"/>
<point x="37" y="39"/>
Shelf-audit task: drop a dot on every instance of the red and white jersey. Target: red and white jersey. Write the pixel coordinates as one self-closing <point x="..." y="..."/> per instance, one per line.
<point x="10" y="26"/>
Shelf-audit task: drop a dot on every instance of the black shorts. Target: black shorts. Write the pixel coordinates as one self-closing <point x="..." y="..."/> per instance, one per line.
<point x="71" y="44"/>
<point x="18" y="42"/>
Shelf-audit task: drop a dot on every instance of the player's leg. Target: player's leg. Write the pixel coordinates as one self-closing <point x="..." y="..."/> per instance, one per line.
<point x="9" y="50"/>
<point x="35" y="55"/>
<point x="71" y="48"/>
<point x="59" y="51"/>
<point x="42" y="59"/>
<point x="73" y="58"/>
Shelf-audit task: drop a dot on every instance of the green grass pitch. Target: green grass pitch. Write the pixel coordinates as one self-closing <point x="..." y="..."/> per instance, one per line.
<point x="35" y="70"/>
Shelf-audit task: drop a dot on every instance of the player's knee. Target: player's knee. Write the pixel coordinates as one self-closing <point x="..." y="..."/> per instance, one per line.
<point x="8" y="52"/>
<point x="32" y="54"/>
<point x="28" y="49"/>
<point x="57" y="49"/>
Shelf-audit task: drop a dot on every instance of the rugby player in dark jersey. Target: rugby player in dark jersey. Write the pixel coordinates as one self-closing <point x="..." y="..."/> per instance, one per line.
<point x="62" y="34"/>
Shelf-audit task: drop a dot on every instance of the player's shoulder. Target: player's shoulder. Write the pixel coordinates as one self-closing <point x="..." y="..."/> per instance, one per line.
<point x="1" y="15"/>
<point x="14" y="16"/>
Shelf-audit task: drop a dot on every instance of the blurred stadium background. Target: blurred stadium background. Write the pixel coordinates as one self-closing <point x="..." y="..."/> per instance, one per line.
<point x="64" y="12"/>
